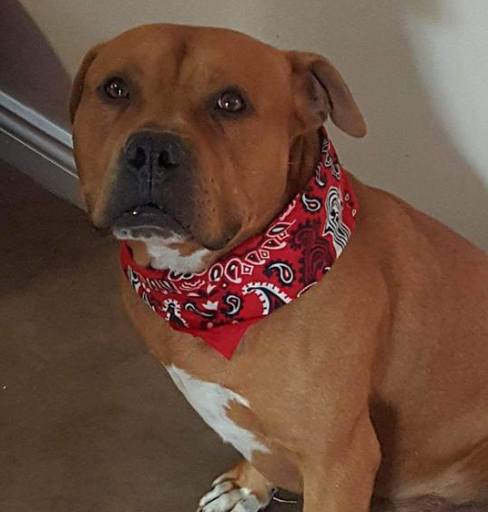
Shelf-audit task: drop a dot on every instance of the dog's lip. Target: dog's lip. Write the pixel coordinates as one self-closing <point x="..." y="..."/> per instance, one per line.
<point x="145" y="221"/>
<point x="150" y="221"/>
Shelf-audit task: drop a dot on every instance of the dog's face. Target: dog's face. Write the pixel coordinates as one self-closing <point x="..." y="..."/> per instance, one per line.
<point x="183" y="135"/>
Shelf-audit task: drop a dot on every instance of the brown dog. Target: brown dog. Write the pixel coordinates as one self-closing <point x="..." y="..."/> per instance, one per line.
<point x="375" y="382"/>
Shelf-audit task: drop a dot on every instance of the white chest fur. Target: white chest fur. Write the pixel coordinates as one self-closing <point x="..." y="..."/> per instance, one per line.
<point x="212" y="401"/>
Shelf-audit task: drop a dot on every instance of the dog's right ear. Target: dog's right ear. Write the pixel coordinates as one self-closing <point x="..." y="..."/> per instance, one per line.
<point x="320" y="92"/>
<point x="77" y="87"/>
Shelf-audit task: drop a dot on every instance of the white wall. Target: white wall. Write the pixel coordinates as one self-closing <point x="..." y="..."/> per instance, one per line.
<point x="419" y="69"/>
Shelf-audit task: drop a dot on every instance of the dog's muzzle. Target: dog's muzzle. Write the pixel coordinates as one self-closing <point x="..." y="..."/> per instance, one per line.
<point x="151" y="193"/>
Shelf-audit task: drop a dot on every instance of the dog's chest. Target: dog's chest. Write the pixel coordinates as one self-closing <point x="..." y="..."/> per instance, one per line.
<point x="212" y="402"/>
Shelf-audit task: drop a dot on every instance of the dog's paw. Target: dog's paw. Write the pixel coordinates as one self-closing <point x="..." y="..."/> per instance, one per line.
<point x="226" y="496"/>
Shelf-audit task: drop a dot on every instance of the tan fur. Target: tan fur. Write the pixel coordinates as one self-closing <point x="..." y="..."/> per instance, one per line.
<point x="376" y="380"/>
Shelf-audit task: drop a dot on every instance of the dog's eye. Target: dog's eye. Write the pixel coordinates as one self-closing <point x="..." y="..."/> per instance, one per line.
<point x="115" y="88"/>
<point x="230" y="101"/>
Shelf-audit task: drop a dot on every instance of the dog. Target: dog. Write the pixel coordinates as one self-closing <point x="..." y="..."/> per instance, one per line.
<point x="371" y="380"/>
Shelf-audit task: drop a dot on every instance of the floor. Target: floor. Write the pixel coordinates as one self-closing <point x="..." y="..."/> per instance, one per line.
<point x="88" y="420"/>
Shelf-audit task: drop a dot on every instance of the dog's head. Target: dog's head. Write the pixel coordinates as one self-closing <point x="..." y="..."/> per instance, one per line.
<point x="189" y="139"/>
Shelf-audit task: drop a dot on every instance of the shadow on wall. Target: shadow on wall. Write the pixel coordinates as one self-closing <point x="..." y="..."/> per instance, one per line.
<point x="30" y="70"/>
<point x="407" y="150"/>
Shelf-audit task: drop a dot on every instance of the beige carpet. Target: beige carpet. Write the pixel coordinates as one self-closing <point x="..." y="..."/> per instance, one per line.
<point x="89" y="422"/>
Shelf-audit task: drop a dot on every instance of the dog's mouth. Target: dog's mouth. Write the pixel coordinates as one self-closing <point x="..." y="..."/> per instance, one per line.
<point x="145" y="222"/>
<point x="150" y="222"/>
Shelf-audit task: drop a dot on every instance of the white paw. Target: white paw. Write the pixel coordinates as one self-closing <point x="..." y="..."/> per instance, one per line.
<point x="226" y="497"/>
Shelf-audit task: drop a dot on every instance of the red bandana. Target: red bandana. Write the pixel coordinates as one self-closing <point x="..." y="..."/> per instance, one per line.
<point x="263" y="273"/>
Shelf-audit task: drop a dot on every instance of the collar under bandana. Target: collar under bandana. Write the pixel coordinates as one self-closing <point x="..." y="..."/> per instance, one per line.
<point x="263" y="273"/>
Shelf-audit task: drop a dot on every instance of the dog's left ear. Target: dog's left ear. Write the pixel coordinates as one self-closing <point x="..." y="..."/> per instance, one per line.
<point x="320" y="91"/>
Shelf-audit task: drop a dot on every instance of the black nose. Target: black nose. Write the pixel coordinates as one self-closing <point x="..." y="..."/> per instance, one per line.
<point x="153" y="155"/>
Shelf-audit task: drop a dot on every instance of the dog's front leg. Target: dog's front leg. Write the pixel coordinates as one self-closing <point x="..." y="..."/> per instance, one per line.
<point x="339" y="476"/>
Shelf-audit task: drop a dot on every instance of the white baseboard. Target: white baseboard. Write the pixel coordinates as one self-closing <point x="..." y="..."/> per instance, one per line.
<point x="38" y="147"/>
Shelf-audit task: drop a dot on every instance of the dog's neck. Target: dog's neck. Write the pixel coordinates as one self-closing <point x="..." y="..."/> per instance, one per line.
<point x="304" y="154"/>
<point x="264" y="272"/>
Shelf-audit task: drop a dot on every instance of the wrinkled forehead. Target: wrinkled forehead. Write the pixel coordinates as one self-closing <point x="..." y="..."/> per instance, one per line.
<point x="192" y="57"/>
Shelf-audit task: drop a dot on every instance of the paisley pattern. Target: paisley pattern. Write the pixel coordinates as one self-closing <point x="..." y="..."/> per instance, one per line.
<point x="270" y="296"/>
<point x="284" y="271"/>
<point x="265" y="272"/>
<point x="335" y="225"/>
<point x="316" y="256"/>
<point x="234" y="303"/>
